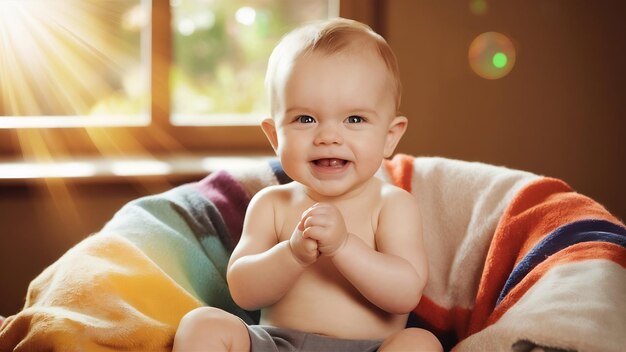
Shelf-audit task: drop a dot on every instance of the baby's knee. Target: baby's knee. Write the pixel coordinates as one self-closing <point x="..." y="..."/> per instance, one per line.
<point x="204" y="327"/>
<point x="412" y="339"/>
<point x="207" y="319"/>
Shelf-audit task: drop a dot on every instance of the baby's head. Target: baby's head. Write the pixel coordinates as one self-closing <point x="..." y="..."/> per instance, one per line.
<point x="334" y="91"/>
<point x="337" y="35"/>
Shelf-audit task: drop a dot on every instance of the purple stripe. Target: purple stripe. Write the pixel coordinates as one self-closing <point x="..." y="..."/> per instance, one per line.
<point x="229" y="197"/>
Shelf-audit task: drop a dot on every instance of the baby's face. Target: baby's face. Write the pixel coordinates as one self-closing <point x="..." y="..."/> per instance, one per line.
<point x="333" y="119"/>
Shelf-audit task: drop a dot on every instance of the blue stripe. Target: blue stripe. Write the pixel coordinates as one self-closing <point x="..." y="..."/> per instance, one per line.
<point x="280" y="174"/>
<point x="561" y="238"/>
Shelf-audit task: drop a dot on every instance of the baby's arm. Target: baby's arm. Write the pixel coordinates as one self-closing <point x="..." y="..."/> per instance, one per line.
<point x="262" y="269"/>
<point x="393" y="276"/>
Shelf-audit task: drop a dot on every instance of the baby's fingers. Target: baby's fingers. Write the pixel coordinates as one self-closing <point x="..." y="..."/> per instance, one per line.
<point x="305" y="216"/>
<point x="304" y="249"/>
<point x="309" y="245"/>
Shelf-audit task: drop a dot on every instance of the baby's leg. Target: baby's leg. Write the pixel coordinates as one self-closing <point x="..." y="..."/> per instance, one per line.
<point x="211" y="329"/>
<point x="412" y="339"/>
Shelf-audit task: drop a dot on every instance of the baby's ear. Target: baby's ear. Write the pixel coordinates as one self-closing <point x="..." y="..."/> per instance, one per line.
<point x="269" y="128"/>
<point x="397" y="127"/>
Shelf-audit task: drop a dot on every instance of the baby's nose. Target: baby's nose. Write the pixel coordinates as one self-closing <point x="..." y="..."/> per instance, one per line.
<point x="328" y="135"/>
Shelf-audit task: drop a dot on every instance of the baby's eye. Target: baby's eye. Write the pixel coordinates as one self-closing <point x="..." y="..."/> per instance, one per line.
<point x="305" y="119"/>
<point x="355" y="119"/>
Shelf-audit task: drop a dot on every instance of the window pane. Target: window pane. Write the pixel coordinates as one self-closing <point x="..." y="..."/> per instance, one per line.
<point x="74" y="63"/>
<point x="220" y="53"/>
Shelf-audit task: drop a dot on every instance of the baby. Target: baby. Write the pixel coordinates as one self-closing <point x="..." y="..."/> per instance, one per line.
<point x="335" y="260"/>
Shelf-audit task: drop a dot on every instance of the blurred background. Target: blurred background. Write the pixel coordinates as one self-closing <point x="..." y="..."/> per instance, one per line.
<point x="105" y="102"/>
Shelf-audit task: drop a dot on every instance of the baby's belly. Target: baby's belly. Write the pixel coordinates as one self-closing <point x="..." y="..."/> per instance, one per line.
<point x="323" y="302"/>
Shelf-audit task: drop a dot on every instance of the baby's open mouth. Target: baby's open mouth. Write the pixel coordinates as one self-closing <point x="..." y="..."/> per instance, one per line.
<point x="330" y="162"/>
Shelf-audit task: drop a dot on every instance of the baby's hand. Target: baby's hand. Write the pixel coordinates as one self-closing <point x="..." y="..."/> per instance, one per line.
<point x="304" y="249"/>
<point x="324" y="223"/>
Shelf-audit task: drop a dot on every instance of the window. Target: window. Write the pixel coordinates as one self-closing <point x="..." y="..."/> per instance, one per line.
<point x="74" y="63"/>
<point x="139" y="77"/>
<point x="220" y="50"/>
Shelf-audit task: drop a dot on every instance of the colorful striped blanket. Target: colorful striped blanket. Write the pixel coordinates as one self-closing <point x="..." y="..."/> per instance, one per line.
<point x="517" y="261"/>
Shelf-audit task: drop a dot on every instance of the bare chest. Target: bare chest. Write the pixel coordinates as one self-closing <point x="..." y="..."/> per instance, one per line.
<point x="360" y="219"/>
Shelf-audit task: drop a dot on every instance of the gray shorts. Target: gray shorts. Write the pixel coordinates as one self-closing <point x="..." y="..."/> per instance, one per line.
<point x="265" y="338"/>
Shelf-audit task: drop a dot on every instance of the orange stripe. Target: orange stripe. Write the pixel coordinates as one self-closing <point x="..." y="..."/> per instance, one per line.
<point x="442" y="319"/>
<point x="536" y="211"/>
<point x="400" y="170"/>
<point x="575" y="253"/>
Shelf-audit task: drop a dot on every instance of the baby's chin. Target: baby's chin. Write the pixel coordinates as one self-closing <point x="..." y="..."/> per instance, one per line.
<point x="330" y="190"/>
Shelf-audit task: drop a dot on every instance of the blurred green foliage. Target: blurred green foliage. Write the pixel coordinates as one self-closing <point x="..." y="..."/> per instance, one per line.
<point x="220" y="50"/>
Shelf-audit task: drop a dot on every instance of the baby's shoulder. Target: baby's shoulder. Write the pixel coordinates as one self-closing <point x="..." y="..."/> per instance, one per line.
<point x="388" y="190"/>
<point x="395" y="196"/>
<point x="276" y="193"/>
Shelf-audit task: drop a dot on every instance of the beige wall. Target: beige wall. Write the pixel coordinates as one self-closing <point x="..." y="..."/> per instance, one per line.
<point x="561" y="112"/>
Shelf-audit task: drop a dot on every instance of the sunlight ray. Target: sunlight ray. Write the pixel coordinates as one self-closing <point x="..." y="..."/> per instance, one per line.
<point x="35" y="149"/>
<point x="72" y="59"/>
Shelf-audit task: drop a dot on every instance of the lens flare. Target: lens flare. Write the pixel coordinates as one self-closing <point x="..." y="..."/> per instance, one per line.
<point x="499" y="60"/>
<point x="478" y="7"/>
<point x="492" y="55"/>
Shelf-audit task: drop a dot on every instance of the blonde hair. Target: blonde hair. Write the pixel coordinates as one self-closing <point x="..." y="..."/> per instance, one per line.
<point x="328" y="36"/>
